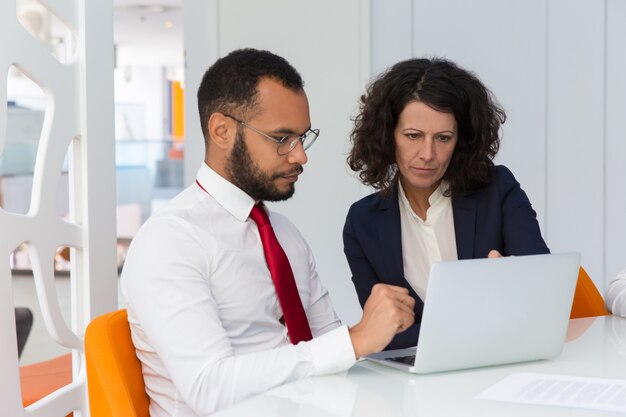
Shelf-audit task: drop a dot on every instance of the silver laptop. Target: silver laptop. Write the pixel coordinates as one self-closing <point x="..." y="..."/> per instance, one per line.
<point x="483" y="312"/>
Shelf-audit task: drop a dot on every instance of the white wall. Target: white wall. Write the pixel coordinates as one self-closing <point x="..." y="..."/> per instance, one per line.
<point x="557" y="68"/>
<point x="576" y="131"/>
<point x="615" y="144"/>
<point x="141" y="111"/>
<point x="465" y="33"/>
<point x="326" y="41"/>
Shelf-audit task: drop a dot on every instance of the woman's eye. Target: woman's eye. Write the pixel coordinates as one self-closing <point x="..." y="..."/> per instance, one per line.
<point x="412" y="135"/>
<point x="444" y="138"/>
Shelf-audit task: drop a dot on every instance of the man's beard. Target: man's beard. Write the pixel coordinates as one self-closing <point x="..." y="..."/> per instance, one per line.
<point x="246" y="174"/>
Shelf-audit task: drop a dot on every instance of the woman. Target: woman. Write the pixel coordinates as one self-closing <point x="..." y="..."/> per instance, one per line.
<point x="425" y="138"/>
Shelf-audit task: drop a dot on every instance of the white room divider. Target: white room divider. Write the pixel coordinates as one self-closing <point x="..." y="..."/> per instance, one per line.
<point x="78" y="122"/>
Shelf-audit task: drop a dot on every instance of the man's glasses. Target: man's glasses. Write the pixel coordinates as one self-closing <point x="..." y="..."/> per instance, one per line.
<point x="285" y="143"/>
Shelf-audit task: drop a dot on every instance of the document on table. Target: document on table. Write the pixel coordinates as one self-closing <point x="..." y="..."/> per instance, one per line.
<point x="560" y="390"/>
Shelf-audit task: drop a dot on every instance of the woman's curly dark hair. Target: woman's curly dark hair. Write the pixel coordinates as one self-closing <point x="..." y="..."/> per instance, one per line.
<point x="444" y="86"/>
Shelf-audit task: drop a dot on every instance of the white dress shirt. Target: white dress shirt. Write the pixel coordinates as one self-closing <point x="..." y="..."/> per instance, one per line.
<point x="203" y="310"/>
<point x="425" y="242"/>
<point x="616" y="295"/>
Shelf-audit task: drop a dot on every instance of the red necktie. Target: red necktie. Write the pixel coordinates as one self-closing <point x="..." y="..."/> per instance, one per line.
<point x="282" y="276"/>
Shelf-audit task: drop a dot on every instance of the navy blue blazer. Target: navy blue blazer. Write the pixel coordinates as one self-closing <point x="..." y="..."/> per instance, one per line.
<point x="498" y="216"/>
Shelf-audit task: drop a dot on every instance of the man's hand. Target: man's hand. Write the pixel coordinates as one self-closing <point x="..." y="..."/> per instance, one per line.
<point x="388" y="311"/>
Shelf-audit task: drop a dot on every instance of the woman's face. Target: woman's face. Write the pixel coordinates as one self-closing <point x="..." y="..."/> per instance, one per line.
<point x="425" y="140"/>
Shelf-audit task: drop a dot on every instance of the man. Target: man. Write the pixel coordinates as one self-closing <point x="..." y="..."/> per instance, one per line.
<point x="211" y="319"/>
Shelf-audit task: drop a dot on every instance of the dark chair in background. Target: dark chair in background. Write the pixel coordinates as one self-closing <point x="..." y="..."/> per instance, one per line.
<point x="23" y="324"/>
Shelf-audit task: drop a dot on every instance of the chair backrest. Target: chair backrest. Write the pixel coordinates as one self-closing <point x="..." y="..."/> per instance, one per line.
<point x="114" y="378"/>
<point x="587" y="299"/>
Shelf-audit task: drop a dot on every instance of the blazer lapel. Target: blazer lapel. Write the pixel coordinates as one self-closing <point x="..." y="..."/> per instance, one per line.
<point x="464" y="213"/>
<point x="390" y="235"/>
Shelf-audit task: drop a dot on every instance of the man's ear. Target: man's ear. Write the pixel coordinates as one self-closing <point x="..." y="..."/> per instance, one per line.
<point x="221" y="131"/>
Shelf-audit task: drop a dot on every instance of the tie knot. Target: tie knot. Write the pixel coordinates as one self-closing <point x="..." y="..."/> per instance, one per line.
<point x="259" y="215"/>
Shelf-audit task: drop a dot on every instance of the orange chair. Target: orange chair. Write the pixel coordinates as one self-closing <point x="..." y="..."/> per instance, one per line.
<point x="114" y="378"/>
<point x="43" y="378"/>
<point x="587" y="299"/>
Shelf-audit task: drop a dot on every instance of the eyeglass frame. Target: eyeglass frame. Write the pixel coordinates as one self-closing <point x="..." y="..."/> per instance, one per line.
<point x="292" y="144"/>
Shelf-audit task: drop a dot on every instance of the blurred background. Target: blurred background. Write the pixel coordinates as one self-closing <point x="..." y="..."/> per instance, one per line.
<point x="556" y="66"/>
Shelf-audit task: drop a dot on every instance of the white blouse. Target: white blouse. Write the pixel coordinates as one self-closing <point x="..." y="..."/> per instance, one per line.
<point x="425" y="242"/>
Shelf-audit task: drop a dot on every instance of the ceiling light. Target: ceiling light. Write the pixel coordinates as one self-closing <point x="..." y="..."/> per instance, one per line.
<point x="146" y="8"/>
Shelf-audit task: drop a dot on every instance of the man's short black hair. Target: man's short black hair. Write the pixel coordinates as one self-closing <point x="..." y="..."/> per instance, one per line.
<point x="230" y="84"/>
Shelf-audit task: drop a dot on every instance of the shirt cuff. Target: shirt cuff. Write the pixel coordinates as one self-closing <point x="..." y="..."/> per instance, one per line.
<point x="332" y="352"/>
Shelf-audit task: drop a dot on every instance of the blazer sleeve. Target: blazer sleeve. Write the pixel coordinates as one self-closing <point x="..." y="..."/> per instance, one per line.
<point x="520" y="230"/>
<point x="364" y="277"/>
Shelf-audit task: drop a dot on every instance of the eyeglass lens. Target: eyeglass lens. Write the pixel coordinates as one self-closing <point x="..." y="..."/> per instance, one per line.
<point x="291" y="142"/>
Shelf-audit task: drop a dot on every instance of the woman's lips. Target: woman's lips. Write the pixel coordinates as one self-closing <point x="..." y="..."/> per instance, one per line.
<point x="423" y="170"/>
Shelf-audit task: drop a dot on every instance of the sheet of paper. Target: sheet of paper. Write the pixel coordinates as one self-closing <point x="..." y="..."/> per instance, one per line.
<point x="559" y="390"/>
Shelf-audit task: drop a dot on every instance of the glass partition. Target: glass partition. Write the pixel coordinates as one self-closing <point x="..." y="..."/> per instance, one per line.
<point x="148" y="173"/>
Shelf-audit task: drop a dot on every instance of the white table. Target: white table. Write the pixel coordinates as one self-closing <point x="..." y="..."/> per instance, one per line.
<point x="596" y="348"/>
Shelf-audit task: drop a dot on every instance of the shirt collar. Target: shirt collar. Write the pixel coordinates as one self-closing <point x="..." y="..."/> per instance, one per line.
<point x="437" y="195"/>
<point x="228" y="195"/>
<point x="437" y="199"/>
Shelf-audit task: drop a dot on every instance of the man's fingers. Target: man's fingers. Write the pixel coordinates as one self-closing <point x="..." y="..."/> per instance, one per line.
<point x="405" y="308"/>
<point x="390" y="289"/>
<point x="408" y="301"/>
<point x="406" y="322"/>
<point x="391" y="297"/>
<point x="399" y="290"/>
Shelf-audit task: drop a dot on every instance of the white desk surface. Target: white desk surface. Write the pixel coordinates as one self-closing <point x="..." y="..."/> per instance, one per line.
<point x="596" y="348"/>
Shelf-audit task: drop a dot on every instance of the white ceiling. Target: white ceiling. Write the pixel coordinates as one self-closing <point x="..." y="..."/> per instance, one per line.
<point x="149" y="22"/>
<point x="149" y="32"/>
<point x="145" y="32"/>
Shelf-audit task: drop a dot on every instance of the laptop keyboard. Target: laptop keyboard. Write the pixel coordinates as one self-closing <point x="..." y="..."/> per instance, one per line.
<point x="409" y="360"/>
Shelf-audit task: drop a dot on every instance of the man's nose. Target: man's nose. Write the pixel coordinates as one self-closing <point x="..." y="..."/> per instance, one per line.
<point x="297" y="155"/>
